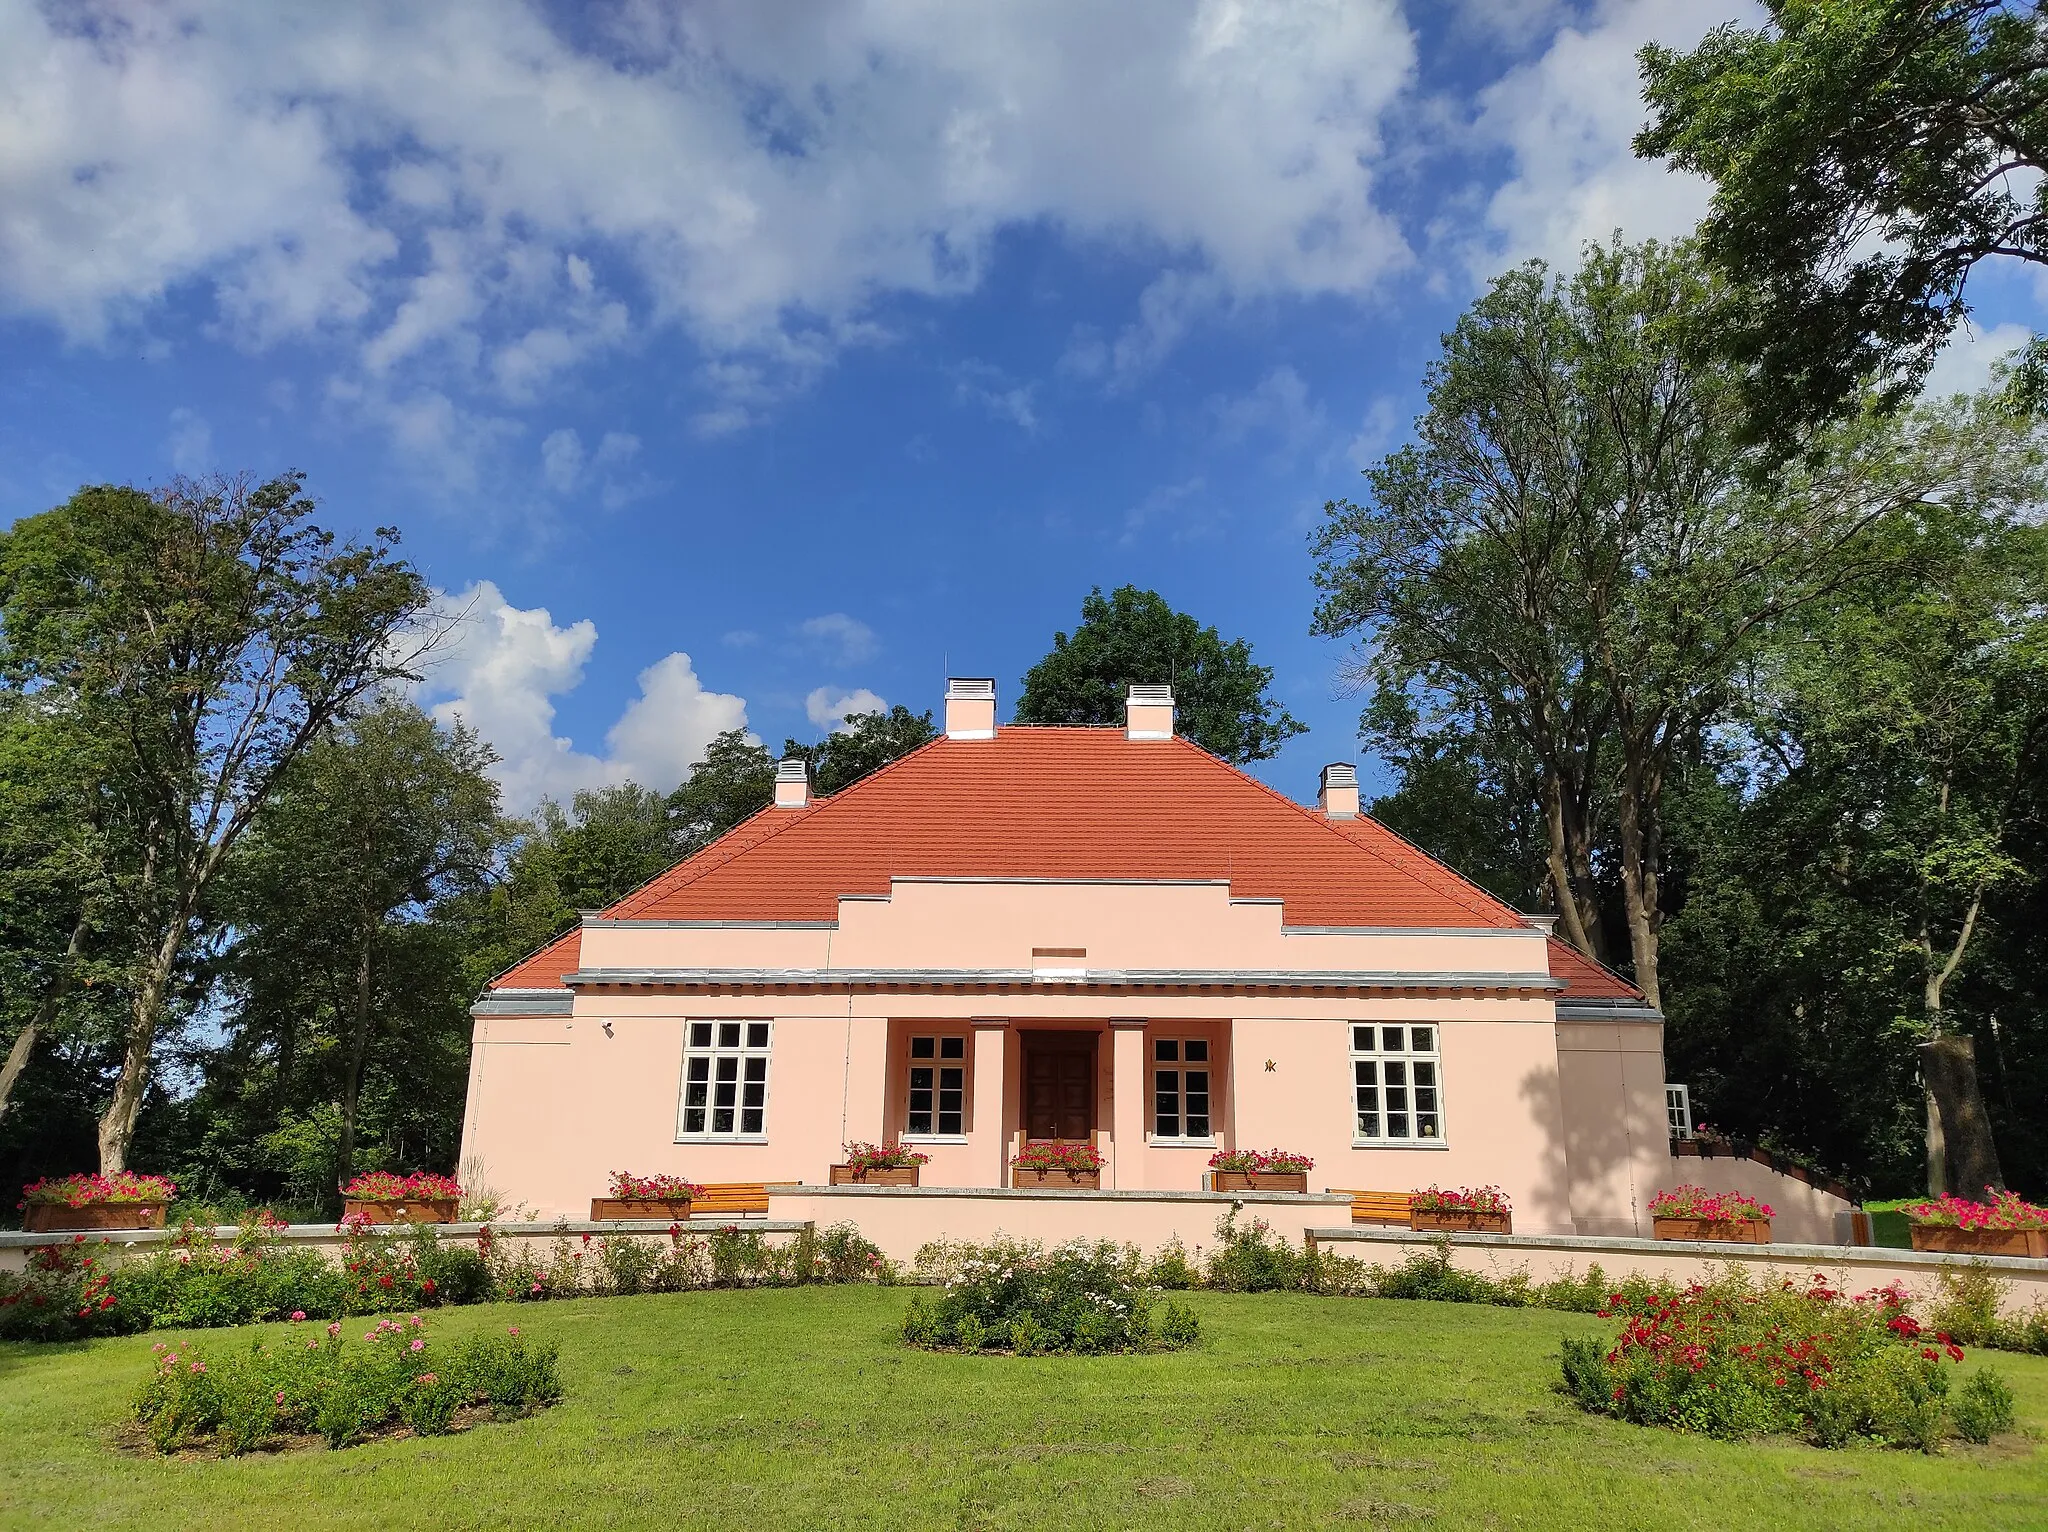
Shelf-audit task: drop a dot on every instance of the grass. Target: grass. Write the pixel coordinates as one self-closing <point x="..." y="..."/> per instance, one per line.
<point x="765" y="1409"/>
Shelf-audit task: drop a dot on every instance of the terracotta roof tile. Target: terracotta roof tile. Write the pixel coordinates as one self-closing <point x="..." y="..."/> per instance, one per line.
<point x="1063" y="803"/>
<point x="1586" y="979"/>
<point x="545" y="968"/>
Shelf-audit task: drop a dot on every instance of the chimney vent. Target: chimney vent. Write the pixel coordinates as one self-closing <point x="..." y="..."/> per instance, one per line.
<point x="1148" y="712"/>
<point x="1338" y="798"/>
<point x="793" y="783"/>
<point x="971" y="707"/>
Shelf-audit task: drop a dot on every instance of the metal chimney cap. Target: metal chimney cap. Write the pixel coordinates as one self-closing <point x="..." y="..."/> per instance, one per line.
<point x="1340" y="774"/>
<point x="970" y="688"/>
<point x="1150" y="696"/>
<point x="793" y="769"/>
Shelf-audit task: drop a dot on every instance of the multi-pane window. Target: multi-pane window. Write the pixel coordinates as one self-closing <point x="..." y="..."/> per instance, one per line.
<point x="1678" y="1110"/>
<point x="725" y="1080"/>
<point x="1180" y="1087"/>
<point x="1396" y="1082"/>
<point x="938" y="1084"/>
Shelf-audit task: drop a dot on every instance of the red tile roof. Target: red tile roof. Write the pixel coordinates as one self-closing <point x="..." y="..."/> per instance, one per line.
<point x="1586" y="979"/>
<point x="1057" y="803"/>
<point x="545" y="968"/>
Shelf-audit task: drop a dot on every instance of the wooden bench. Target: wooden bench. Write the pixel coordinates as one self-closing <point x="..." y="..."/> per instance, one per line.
<point x="1376" y="1207"/>
<point x="731" y="1199"/>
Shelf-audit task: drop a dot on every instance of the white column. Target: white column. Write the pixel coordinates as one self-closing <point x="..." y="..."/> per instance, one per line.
<point x="990" y="1147"/>
<point x="1130" y="1095"/>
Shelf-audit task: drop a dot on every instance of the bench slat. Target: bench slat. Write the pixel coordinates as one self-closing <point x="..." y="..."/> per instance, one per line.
<point x="731" y="1197"/>
<point x="1376" y="1207"/>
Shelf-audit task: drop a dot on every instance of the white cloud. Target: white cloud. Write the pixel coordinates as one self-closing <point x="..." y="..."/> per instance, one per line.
<point x="829" y="706"/>
<point x="846" y="640"/>
<point x="1566" y="119"/>
<point x="1963" y="366"/>
<point x="1377" y="432"/>
<point x="500" y="670"/>
<point x="190" y="442"/>
<point x="471" y="202"/>
<point x="1277" y="408"/>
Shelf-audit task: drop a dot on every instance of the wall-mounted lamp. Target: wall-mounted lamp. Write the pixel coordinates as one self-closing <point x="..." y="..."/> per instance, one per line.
<point x="607" y="1029"/>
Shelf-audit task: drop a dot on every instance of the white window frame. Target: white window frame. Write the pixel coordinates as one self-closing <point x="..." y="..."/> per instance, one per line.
<point x="938" y="1062"/>
<point x="1179" y="1061"/>
<point x="1678" y="1110"/>
<point x="1406" y="1057"/>
<point x="744" y="1052"/>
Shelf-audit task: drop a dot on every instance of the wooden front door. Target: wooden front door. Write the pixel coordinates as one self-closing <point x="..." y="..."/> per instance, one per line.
<point x="1059" y="1085"/>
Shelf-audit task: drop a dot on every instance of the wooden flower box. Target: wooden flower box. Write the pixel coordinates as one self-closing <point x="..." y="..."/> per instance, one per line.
<point x="666" y="1209"/>
<point x="1729" y="1231"/>
<point x="1460" y="1222"/>
<point x="1955" y="1241"/>
<point x="412" y="1210"/>
<point x="895" y="1175"/>
<point x="56" y="1217"/>
<point x="1258" y="1180"/>
<point x="1025" y="1176"/>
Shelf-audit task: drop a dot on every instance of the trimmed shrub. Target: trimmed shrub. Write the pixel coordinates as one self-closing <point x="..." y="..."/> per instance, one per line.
<point x="1022" y="1298"/>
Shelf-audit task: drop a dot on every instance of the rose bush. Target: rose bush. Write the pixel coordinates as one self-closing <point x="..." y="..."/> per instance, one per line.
<point x="1729" y="1359"/>
<point x="235" y="1401"/>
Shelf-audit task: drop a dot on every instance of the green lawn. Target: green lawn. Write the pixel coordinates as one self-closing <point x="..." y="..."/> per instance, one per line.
<point x="799" y="1409"/>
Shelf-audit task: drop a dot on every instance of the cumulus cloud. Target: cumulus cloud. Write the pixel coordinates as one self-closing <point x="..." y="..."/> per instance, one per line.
<point x="828" y="707"/>
<point x="1963" y="366"/>
<point x="500" y="669"/>
<point x="481" y="195"/>
<point x="1277" y="409"/>
<point x="1566" y="118"/>
<point x="190" y="442"/>
<point x="844" y="640"/>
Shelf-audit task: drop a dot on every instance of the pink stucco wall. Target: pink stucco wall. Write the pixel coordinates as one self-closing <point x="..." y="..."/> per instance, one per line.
<point x="1567" y="1119"/>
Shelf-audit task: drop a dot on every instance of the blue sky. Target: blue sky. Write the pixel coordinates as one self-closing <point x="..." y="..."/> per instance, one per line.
<point x="721" y="371"/>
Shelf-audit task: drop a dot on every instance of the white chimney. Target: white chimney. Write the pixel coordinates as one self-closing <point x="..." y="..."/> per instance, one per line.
<point x="1148" y="712"/>
<point x="1338" y="798"/>
<point x="971" y="707"/>
<point x="1547" y="924"/>
<point x="793" y="783"/>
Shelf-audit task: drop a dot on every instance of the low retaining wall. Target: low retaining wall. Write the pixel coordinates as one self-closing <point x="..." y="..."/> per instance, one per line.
<point x="899" y="1219"/>
<point x="1545" y="1257"/>
<point x="1805" y="1213"/>
<point x="329" y="1241"/>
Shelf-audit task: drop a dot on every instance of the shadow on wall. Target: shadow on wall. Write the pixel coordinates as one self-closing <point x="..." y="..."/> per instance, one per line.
<point x="1595" y="1154"/>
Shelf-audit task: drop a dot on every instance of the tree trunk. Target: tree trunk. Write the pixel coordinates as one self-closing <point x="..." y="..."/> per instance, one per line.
<point x="1578" y="919"/>
<point x="358" y="1044"/>
<point x="44" y="1013"/>
<point x="1639" y="892"/>
<point x="1959" y="1122"/>
<point x="117" y="1126"/>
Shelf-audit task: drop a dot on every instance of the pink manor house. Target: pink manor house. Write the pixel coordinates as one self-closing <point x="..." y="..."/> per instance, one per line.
<point x="1104" y="935"/>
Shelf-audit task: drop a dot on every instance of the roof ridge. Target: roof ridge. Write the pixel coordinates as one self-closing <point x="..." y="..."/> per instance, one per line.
<point x="1437" y="861"/>
<point x="553" y="941"/>
<point x="1592" y="962"/>
<point x="1350" y="840"/>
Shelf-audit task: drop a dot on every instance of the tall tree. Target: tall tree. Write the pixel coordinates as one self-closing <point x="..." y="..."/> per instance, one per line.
<point x="215" y="631"/>
<point x="1866" y="155"/>
<point x="866" y="743"/>
<point x="1575" y="556"/>
<point x="1221" y="698"/>
<point x="736" y="779"/>
<point x="376" y="825"/>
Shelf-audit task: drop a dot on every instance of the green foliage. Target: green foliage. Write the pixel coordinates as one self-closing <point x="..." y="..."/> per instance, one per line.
<point x="1079" y="1297"/>
<point x="1133" y="636"/>
<point x="1250" y="1258"/>
<point x="239" y="1400"/>
<point x="735" y="780"/>
<point x="1732" y="1360"/>
<point x="1866" y="156"/>
<point x="869" y="742"/>
<point x="1983" y="1407"/>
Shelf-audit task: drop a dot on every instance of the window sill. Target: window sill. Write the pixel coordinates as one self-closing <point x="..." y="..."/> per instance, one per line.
<point x="1180" y="1143"/>
<point x="722" y="1138"/>
<point x="931" y="1138"/>
<point x="1400" y="1143"/>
